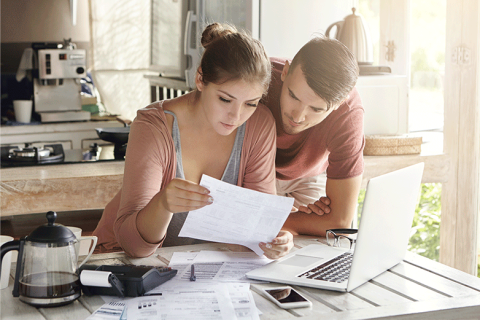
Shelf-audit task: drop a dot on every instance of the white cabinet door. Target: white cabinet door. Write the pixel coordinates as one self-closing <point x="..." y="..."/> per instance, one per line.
<point x="385" y="100"/>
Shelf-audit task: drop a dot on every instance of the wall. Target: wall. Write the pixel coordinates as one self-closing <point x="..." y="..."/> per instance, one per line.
<point x="281" y="20"/>
<point x="120" y="50"/>
<point x="27" y="21"/>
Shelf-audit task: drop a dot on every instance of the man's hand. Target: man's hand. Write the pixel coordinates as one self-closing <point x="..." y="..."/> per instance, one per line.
<point x="319" y="207"/>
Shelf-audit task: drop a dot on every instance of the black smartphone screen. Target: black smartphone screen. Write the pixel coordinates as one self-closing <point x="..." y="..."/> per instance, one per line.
<point x="285" y="295"/>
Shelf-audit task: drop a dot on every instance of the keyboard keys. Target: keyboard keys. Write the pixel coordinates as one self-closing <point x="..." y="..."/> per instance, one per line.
<point x="335" y="270"/>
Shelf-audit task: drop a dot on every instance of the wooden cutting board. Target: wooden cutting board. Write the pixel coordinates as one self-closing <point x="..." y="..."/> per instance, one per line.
<point x="380" y="145"/>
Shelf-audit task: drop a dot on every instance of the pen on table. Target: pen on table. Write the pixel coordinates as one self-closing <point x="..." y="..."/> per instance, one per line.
<point x="192" y="273"/>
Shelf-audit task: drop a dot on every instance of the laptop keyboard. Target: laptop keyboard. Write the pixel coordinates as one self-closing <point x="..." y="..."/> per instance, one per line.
<point x="335" y="270"/>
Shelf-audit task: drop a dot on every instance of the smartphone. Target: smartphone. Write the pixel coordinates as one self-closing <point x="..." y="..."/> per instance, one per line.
<point x="287" y="298"/>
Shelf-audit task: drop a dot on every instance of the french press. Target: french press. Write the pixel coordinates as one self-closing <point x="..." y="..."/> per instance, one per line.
<point x="46" y="273"/>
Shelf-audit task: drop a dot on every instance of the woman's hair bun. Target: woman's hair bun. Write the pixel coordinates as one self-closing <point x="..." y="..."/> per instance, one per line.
<point x="214" y="31"/>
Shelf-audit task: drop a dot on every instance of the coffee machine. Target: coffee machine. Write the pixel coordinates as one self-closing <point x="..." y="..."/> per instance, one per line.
<point x="57" y="87"/>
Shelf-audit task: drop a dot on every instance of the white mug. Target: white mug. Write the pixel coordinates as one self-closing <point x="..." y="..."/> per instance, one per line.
<point x="6" y="263"/>
<point x="23" y="110"/>
<point x="83" y="248"/>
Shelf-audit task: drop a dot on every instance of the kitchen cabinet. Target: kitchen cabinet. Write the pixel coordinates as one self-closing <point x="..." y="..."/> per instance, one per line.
<point x="385" y="100"/>
<point x="72" y="135"/>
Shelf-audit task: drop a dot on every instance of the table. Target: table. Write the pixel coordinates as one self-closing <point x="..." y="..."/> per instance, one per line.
<point x="417" y="288"/>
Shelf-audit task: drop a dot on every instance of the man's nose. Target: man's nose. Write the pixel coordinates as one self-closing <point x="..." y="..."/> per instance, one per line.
<point x="298" y="114"/>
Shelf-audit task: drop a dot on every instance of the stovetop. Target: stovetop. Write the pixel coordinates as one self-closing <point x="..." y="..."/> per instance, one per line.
<point x="59" y="156"/>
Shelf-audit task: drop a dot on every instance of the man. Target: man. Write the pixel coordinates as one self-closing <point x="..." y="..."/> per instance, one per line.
<point x="320" y="137"/>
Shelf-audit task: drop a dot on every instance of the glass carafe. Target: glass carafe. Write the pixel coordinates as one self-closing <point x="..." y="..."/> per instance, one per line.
<point x="46" y="273"/>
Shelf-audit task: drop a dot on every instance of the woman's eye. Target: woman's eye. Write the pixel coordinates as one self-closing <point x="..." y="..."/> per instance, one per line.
<point x="224" y="100"/>
<point x="252" y="104"/>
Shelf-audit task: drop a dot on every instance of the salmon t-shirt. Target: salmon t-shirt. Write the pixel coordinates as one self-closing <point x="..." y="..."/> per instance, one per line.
<point x="335" y="145"/>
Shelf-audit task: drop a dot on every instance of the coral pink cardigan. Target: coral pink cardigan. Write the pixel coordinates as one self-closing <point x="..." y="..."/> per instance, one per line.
<point x="150" y="164"/>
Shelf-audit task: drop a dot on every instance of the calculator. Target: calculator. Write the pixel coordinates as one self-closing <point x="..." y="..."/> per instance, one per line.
<point x="136" y="280"/>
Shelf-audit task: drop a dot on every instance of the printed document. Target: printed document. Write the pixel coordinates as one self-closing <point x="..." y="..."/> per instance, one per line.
<point x="237" y="215"/>
<point x="109" y="311"/>
<point x="188" y="301"/>
<point x="214" y="266"/>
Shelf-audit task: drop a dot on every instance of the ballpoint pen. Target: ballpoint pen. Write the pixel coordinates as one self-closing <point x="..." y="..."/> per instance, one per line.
<point x="192" y="273"/>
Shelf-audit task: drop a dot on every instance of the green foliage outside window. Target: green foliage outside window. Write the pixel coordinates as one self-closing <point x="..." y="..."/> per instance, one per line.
<point x="425" y="235"/>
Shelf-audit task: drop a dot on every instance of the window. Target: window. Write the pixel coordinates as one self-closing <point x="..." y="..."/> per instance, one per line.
<point x="418" y="52"/>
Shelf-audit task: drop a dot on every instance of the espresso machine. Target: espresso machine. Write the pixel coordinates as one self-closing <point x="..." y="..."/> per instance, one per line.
<point x="57" y="88"/>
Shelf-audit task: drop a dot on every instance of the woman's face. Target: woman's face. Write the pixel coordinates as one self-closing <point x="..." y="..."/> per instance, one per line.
<point x="228" y="105"/>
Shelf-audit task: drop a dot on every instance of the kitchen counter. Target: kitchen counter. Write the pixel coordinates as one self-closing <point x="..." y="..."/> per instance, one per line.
<point x="92" y="185"/>
<point x="59" y="187"/>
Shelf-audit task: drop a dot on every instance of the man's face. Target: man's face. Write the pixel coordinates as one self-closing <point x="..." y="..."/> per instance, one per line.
<point x="301" y="108"/>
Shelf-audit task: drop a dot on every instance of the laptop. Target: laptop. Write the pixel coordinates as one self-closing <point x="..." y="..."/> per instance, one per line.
<point x="382" y="240"/>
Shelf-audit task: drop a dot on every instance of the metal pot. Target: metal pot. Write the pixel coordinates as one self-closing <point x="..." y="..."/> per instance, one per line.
<point x="354" y="33"/>
<point x="118" y="136"/>
<point x="114" y="135"/>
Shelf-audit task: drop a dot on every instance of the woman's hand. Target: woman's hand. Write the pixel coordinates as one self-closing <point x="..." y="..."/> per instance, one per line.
<point x="319" y="207"/>
<point x="279" y="246"/>
<point x="183" y="195"/>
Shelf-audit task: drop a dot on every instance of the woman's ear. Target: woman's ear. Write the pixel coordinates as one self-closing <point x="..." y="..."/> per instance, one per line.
<point x="199" y="79"/>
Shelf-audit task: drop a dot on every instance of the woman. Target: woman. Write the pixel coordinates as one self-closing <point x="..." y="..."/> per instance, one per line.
<point x="224" y="133"/>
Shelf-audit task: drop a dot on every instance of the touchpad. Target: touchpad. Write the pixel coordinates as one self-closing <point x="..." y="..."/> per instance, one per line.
<point x="301" y="261"/>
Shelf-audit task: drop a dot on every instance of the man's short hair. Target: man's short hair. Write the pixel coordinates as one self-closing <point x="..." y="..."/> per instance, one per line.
<point x="329" y="67"/>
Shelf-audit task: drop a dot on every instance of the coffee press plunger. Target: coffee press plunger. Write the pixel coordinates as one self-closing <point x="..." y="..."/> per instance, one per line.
<point x="46" y="273"/>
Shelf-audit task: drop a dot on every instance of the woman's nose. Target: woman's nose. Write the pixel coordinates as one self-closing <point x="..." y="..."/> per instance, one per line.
<point x="235" y="112"/>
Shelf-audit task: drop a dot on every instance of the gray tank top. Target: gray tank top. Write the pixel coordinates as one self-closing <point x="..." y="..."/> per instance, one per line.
<point x="230" y="175"/>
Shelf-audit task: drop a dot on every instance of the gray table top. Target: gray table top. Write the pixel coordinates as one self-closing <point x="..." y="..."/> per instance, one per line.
<point x="417" y="288"/>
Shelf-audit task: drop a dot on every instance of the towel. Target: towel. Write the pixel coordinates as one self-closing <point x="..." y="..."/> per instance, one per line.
<point x="26" y="63"/>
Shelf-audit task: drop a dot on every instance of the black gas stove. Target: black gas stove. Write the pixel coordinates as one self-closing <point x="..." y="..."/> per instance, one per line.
<point x="54" y="154"/>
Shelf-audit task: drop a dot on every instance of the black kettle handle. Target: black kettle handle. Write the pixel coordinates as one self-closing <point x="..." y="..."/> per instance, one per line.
<point x="9" y="246"/>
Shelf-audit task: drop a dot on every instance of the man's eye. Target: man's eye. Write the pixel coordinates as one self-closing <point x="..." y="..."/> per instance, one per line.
<point x="224" y="100"/>
<point x="317" y="110"/>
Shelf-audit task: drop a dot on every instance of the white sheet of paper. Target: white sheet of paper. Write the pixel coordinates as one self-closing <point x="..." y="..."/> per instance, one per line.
<point x="189" y="301"/>
<point x="243" y="302"/>
<point x="235" y="264"/>
<point x="237" y="215"/>
<point x="109" y="311"/>
<point x="216" y="265"/>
